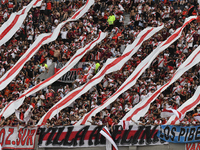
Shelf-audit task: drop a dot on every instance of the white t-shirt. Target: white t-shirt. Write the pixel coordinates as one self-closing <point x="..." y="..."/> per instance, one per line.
<point x="2" y="71"/>
<point x="64" y="34"/>
<point x="43" y="6"/>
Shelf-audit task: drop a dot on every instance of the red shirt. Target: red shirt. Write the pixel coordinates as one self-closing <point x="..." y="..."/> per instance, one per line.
<point x="196" y="36"/>
<point x="110" y="121"/>
<point x="49" y="6"/>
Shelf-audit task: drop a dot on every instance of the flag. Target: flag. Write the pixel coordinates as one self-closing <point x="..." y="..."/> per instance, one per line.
<point x="177" y="113"/>
<point x="166" y="113"/>
<point x="110" y="66"/>
<point x="8" y="110"/>
<point x="17" y="114"/>
<point x="121" y="7"/>
<point x="109" y="140"/>
<point x="190" y="10"/>
<point x="27" y="114"/>
<point x="125" y="124"/>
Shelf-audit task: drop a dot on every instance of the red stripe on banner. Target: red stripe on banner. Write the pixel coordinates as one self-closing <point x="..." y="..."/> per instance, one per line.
<point x="183" y="111"/>
<point x="138" y="109"/>
<point x="176" y="34"/>
<point x="77" y="13"/>
<point x="76" y="92"/>
<point x="36" y="2"/>
<point x="80" y="53"/>
<point x="124" y="124"/>
<point x="179" y="114"/>
<point x="192" y="59"/>
<point x="142" y="38"/>
<point x="88" y="115"/>
<point x="11" y="25"/>
<point x="36" y="86"/>
<point x="74" y="69"/>
<point x="113" y="148"/>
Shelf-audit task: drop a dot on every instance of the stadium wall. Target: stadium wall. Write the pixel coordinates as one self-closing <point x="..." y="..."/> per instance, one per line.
<point x="170" y="146"/>
<point x="50" y="73"/>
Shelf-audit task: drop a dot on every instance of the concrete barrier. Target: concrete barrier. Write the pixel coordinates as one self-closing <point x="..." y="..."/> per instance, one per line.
<point x="170" y="146"/>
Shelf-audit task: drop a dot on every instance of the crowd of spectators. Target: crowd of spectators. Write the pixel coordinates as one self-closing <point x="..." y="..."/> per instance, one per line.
<point x="107" y="16"/>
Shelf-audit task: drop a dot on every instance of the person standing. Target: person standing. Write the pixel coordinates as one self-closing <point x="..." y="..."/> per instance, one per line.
<point x="111" y="20"/>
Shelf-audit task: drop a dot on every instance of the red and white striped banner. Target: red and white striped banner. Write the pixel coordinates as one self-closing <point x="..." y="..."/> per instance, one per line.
<point x="106" y="133"/>
<point x="10" y="108"/>
<point x="131" y="80"/>
<point x="189" y="105"/>
<point x="141" y="108"/>
<point x="42" y="39"/>
<point x="10" y="27"/>
<point x="110" y="66"/>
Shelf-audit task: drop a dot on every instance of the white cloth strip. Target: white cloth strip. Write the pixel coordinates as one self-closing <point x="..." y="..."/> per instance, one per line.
<point x="15" y="21"/>
<point x="105" y="132"/>
<point x="177" y="113"/>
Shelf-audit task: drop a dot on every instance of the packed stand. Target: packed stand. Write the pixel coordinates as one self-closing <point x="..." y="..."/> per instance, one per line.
<point x="103" y="16"/>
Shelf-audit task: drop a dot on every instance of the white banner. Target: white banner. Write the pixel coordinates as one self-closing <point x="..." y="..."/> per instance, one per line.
<point x="15" y="21"/>
<point x="14" y="138"/>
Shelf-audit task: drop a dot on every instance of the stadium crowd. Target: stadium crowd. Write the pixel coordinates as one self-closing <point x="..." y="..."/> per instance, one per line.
<point x="107" y="16"/>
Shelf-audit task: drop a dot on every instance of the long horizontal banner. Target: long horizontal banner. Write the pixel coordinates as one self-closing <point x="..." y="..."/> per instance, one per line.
<point x="89" y="136"/>
<point x="14" y="138"/>
<point x="179" y="134"/>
